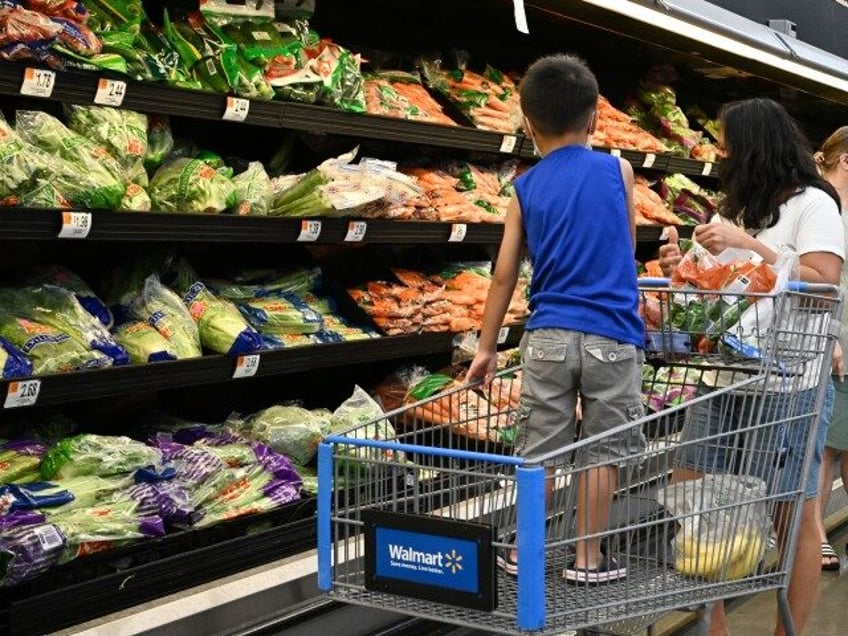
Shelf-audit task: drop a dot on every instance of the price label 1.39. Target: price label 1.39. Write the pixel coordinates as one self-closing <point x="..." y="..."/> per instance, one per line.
<point x="75" y="225"/>
<point x="22" y="393"/>
<point x="110" y="92"/>
<point x="309" y="231"/>
<point x="38" y="82"/>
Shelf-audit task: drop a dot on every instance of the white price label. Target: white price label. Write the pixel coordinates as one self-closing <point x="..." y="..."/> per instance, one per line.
<point x="237" y="109"/>
<point x="356" y="231"/>
<point x="309" y="230"/>
<point x="707" y="170"/>
<point x="75" y="225"/>
<point x="22" y="393"/>
<point x="49" y="537"/>
<point x="38" y="82"/>
<point x="110" y="92"/>
<point x="508" y="143"/>
<point x="503" y="334"/>
<point x="246" y="366"/>
<point x="615" y="152"/>
<point x="649" y="161"/>
<point x="458" y="232"/>
<point x="520" y="16"/>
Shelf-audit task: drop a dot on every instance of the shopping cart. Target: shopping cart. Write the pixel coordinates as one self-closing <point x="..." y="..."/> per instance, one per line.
<point x="420" y="513"/>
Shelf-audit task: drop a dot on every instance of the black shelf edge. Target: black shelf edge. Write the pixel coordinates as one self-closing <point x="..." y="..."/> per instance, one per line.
<point x="656" y="233"/>
<point x="44" y="224"/>
<point x="80" y="87"/>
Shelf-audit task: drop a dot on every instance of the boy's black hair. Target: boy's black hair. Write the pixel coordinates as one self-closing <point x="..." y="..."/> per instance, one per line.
<point x="558" y="94"/>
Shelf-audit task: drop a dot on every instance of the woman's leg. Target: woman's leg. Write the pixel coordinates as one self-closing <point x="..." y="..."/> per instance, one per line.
<point x="828" y="561"/>
<point x="806" y="569"/>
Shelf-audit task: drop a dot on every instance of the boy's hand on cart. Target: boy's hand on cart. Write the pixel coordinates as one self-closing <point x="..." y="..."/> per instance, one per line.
<point x="483" y="368"/>
<point x="838" y="363"/>
<point x="670" y="254"/>
<point x="717" y="237"/>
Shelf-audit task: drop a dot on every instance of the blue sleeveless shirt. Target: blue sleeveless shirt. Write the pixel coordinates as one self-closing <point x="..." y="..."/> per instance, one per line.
<point x="574" y="211"/>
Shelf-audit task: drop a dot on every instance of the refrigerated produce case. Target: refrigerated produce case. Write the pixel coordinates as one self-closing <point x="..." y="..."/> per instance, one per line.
<point x="621" y="44"/>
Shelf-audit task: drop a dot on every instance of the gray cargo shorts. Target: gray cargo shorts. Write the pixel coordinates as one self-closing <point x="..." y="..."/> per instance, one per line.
<point x="557" y="365"/>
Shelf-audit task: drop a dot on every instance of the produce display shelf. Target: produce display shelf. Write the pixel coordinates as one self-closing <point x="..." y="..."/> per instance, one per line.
<point x="29" y="224"/>
<point x="45" y="224"/>
<point x="214" y="369"/>
<point x="107" y="582"/>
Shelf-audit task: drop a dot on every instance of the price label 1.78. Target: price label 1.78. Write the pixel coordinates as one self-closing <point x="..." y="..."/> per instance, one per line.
<point x="38" y="82"/>
<point x="75" y="225"/>
<point x="356" y="231"/>
<point x="458" y="232"/>
<point x="110" y="92"/>
<point x="22" y="393"/>
<point x="309" y="231"/>
<point x="246" y="366"/>
<point x="237" y="109"/>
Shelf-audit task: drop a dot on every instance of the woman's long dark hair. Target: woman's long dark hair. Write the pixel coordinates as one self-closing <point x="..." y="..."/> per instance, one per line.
<point x="768" y="160"/>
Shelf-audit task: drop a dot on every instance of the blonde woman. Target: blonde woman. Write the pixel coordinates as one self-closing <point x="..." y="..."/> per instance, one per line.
<point x="832" y="161"/>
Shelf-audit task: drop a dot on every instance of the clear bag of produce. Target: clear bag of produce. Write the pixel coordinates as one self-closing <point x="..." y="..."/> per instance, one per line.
<point x="13" y="363"/>
<point x="281" y="314"/>
<point x="191" y="185"/>
<point x="100" y="455"/>
<point x="290" y="430"/>
<point x="164" y="311"/>
<point x="143" y="343"/>
<point x="66" y="279"/>
<point x="254" y="191"/>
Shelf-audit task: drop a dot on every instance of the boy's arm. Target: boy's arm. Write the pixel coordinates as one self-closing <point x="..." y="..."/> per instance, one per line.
<point x="627" y="177"/>
<point x="500" y="294"/>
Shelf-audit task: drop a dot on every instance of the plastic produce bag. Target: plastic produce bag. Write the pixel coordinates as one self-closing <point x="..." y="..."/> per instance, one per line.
<point x="160" y="141"/>
<point x="13" y="364"/>
<point x="281" y="314"/>
<point x="191" y="185"/>
<point x="249" y="284"/>
<point x="291" y="430"/>
<point x="19" y="461"/>
<point x="77" y="37"/>
<point x="122" y="132"/>
<point x="66" y="279"/>
<point x="164" y="311"/>
<point x="144" y="343"/>
<point x="135" y="199"/>
<point x="361" y="417"/>
<point x="59" y="308"/>
<point x="100" y="455"/>
<point x="221" y="327"/>
<point x="19" y="25"/>
<point x="50" y="350"/>
<point x="29" y="549"/>
<point x="254" y="191"/>
<point x="712" y="541"/>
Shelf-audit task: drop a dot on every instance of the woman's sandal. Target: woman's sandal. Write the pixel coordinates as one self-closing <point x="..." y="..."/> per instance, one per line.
<point x="830" y="560"/>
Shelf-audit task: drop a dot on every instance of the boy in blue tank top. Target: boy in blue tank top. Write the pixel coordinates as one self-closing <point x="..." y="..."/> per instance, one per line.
<point x="584" y="335"/>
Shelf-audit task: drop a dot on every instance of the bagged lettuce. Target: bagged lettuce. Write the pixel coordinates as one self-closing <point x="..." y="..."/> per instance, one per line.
<point x="164" y="311"/>
<point x="59" y="308"/>
<point x="250" y="284"/>
<point x="282" y="314"/>
<point x="13" y="364"/>
<point x="66" y="279"/>
<point x="28" y="548"/>
<point x="19" y="461"/>
<point x="122" y="132"/>
<point x="50" y="350"/>
<point x="222" y="328"/>
<point x="191" y="185"/>
<point x="254" y="191"/>
<point x="100" y="455"/>
<point x="290" y="430"/>
<point x="135" y="199"/>
<point x="160" y="141"/>
<point x="144" y="343"/>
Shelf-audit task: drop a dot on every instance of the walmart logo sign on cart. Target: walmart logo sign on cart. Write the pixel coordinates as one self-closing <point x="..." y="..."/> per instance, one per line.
<point x="427" y="559"/>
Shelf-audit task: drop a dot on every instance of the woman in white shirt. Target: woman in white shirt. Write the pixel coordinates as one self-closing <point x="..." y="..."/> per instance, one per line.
<point x="772" y="196"/>
<point x="832" y="161"/>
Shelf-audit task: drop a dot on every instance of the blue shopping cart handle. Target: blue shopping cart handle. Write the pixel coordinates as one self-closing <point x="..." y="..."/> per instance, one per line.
<point x="654" y="282"/>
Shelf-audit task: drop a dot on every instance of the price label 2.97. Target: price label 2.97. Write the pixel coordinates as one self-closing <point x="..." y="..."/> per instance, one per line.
<point x="110" y="92"/>
<point x="38" y="82"/>
<point x="75" y="225"/>
<point x="458" y="232"/>
<point x="22" y="393"/>
<point x="309" y="231"/>
<point x="237" y="109"/>
<point x="356" y="231"/>
<point x="246" y="366"/>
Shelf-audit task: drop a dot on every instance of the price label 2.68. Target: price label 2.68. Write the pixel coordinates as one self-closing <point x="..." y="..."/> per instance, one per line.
<point x="246" y="366"/>
<point x="22" y="393"/>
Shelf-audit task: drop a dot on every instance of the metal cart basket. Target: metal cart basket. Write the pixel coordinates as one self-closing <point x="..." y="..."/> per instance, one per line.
<point x="427" y="496"/>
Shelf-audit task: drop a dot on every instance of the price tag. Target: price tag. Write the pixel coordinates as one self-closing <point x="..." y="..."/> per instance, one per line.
<point x="75" y="225"/>
<point x="649" y="161"/>
<point x="22" y="393"/>
<point x="615" y="152"/>
<point x="520" y="16"/>
<point x="246" y="366"/>
<point x="458" y="232"/>
<point x="508" y="143"/>
<point x="309" y="231"/>
<point x="707" y="170"/>
<point x="356" y="231"/>
<point x="110" y="92"/>
<point x="237" y="109"/>
<point x="38" y="82"/>
<point x="503" y="334"/>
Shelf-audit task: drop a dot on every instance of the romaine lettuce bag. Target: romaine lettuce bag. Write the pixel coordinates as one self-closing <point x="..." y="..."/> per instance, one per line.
<point x="144" y="343"/>
<point x="27" y="550"/>
<point x="254" y="191"/>
<point x="101" y="455"/>
<point x="66" y="279"/>
<point x="290" y="430"/>
<point x="164" y="310"/>
<point x="135" y="199"/>
<point x="283" y="314"/>
<point x="191" y="185"/>
<point x="13" y="363"/>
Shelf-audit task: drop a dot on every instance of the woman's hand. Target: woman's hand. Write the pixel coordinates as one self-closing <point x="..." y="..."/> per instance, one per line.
<point x="670" y="254"/>
<point x="717" y="237"/>
<point x="837" y="367"/>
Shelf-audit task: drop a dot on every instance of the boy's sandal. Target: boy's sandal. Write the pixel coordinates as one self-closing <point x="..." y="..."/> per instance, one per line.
<point x="830" y="560"/>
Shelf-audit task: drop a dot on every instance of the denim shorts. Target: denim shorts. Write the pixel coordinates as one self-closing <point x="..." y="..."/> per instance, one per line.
<point x="711" y="441"/>
<point x="557" y="365"/>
